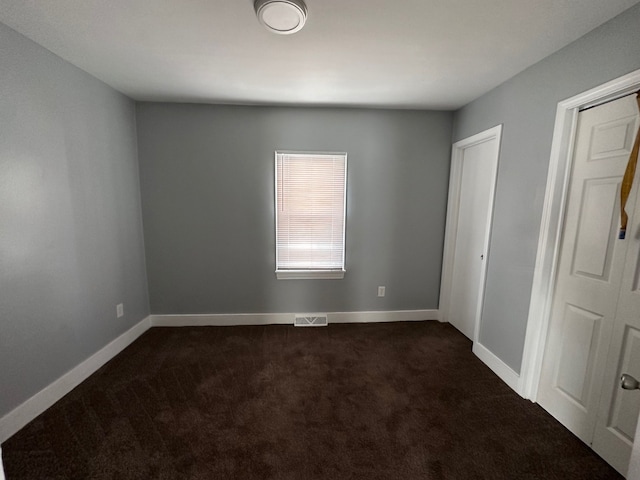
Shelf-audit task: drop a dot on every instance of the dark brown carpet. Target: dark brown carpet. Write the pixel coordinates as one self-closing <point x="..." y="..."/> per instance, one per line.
<point x="377" y="401"/>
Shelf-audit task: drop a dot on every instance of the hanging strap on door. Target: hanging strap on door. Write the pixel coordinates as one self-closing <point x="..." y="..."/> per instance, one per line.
<point x="627" y="181"/>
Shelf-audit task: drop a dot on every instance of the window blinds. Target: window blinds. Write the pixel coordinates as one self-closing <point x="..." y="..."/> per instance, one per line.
<point x="310" y="211"/>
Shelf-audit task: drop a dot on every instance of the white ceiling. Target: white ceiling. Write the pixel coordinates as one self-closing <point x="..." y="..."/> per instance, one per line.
<point x="433" y="54"/>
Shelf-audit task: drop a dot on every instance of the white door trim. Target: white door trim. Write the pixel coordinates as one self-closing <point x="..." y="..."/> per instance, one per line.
<point x="453" y="206"/>
<point x="552" y="222"/>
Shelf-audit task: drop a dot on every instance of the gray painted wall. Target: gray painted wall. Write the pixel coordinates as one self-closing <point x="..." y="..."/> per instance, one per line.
<point x="526" y="105"/>
<point x="71" y="244"/>
<point x="207" y="176"/>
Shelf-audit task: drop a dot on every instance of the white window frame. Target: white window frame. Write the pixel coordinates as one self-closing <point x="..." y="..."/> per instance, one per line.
<point x="299" y="274"/>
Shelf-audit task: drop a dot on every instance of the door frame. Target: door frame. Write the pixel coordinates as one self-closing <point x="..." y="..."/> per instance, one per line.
<point x="552" y="223"/>
<point x="451" y="230"/>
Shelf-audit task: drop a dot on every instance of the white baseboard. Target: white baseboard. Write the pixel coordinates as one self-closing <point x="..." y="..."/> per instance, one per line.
<point x="501" y="369"/>
<point x="381" y="317"/>
<point x="220" y="319"/>
<point x="45" y="398"/>
<point x="233" y="319"/>
<point x="37" y="404"/>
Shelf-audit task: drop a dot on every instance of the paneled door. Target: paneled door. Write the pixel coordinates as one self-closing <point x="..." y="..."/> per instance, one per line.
<point x="619" y="409"/>
<point x="594" y="332"/>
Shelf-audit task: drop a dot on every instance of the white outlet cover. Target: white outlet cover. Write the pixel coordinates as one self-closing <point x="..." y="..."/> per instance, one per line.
<point x="119" y="310"/>
<point x="381" y="291"/>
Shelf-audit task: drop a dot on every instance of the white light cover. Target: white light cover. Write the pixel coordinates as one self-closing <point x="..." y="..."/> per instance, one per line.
<point x="281" y="16"/>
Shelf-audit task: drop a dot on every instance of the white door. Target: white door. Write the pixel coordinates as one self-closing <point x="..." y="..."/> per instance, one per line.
<point x="619" y="409"/>
<point x="472" y="184"/>
<point x="578" y="379"/>
<point x="634" y="464"/>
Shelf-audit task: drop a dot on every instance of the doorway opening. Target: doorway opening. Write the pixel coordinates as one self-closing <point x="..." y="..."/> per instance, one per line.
<point x="549" y="276"/>
<point x="474" y="170"/>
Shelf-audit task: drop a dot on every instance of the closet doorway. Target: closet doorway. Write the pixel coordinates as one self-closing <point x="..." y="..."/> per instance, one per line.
<point x="594" y="323"/>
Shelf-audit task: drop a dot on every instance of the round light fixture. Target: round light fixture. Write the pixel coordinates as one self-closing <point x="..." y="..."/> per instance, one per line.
<point x="281" y="16"/>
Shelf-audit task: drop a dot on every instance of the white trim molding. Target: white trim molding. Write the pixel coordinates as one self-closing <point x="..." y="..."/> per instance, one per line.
<point x="383" y="317"/>
<point x="501" y="369"/>
<point x="552" y="222"/>
<point x="310" y="274"/>
<point x="235" y="319"/>
<point x="13" y="421"/>
<point x="221" y="319"/>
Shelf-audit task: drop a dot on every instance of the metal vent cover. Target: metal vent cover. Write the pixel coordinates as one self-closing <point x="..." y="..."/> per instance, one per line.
<point x="311" y="320"/>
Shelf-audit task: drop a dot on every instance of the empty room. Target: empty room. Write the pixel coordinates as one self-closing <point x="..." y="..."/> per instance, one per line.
<point x="319" y="239"/>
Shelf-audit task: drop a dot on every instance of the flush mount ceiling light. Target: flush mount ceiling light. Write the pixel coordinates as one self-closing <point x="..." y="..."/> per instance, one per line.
<point x="281" y="16"/>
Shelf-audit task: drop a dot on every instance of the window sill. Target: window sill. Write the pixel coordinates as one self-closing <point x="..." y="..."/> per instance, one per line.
<point x="310" y="274"/>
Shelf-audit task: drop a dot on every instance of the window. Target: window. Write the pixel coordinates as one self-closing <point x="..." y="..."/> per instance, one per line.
<point x="310" y="214"/>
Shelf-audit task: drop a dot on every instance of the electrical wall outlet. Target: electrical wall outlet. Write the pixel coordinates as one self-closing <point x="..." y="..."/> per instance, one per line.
<point x="381" y="291"/>
<point x="119" y="310"/>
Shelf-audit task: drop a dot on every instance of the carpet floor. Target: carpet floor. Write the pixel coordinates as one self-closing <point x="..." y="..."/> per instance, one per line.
<point x="374" y="401"/>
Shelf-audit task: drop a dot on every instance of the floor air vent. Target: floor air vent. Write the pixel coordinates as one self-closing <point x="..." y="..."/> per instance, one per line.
<point x="311" y="320"/>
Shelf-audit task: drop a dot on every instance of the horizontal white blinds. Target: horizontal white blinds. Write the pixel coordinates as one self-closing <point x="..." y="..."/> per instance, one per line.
<point x="310" y="210"/>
